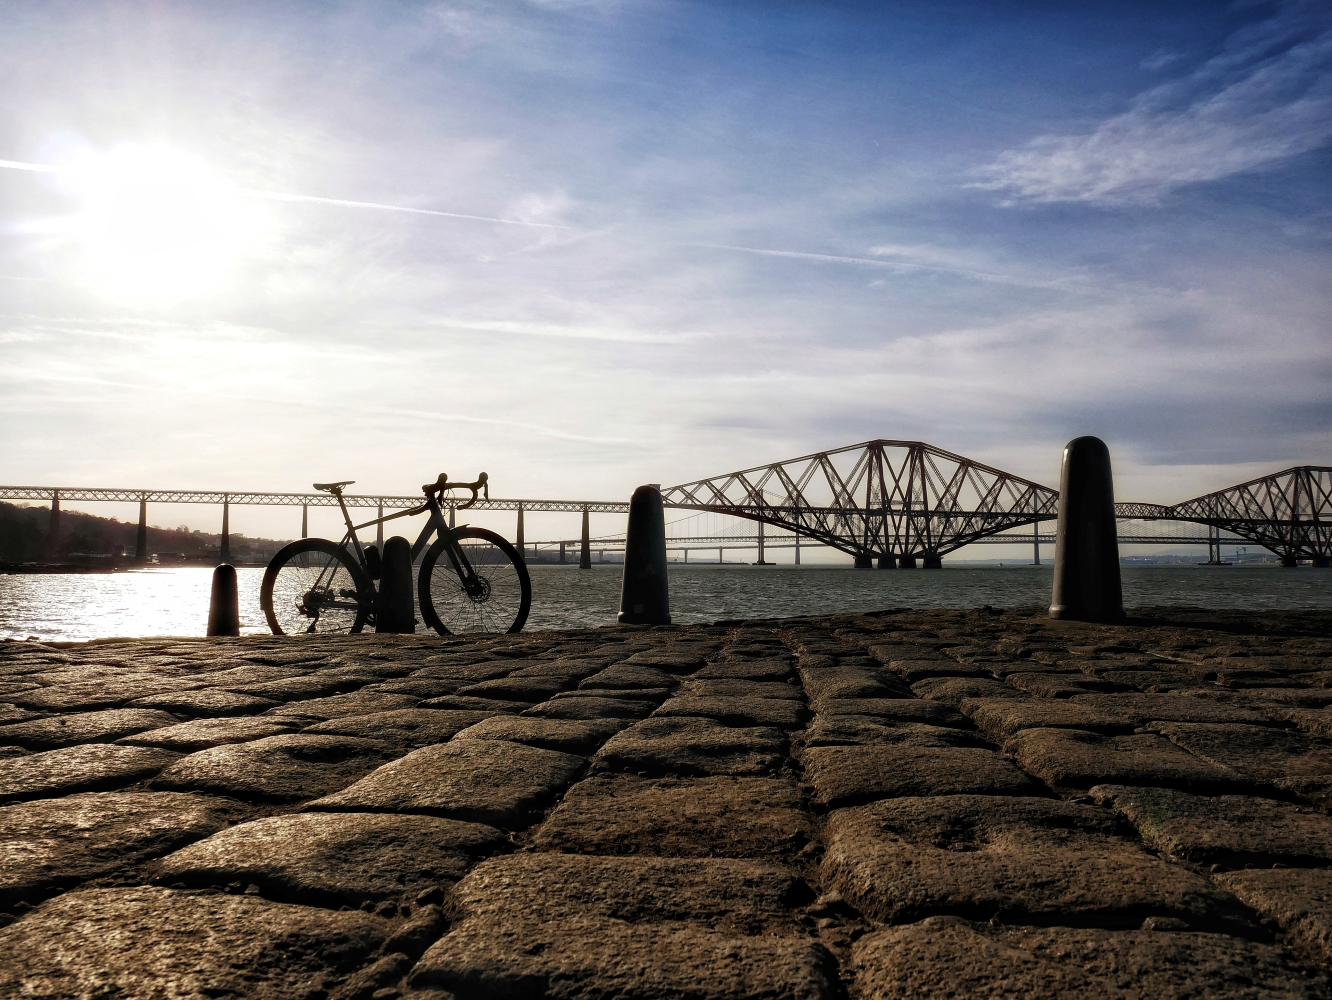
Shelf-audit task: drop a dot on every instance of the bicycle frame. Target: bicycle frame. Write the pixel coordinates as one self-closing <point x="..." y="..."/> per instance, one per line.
<point x="436" y="524"/>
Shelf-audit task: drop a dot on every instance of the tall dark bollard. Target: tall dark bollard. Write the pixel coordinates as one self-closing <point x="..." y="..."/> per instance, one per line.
<point x="1086" y="576"/>
<point x="395" y="609"/>
<point x="644" y="599"/>
<point x="224" y="605"/>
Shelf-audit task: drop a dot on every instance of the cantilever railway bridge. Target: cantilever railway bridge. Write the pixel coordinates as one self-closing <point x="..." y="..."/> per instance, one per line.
<point x="885" y="501"/>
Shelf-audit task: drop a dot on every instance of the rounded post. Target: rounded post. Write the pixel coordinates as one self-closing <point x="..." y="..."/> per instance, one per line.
<point x="395" y="607"/>
<point x="224" y="604"/>
<point x="644" y="596"/>
<point x="1086" y="574"/>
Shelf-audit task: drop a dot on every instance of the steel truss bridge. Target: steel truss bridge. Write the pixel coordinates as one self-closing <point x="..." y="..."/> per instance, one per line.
<point x="888" y="501"/>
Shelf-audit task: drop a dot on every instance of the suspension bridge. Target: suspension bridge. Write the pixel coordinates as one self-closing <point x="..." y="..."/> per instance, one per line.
<point x="894" y="504"/>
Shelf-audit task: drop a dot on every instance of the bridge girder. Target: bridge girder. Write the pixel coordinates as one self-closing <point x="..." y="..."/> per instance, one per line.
<point x="878" y="498"/>
<point x="1289" y="512"/>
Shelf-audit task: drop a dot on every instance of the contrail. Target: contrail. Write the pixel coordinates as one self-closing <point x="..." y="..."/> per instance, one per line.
<point x="43" y="168"/>
<point x="833" y="259"/>
<point x="278" y="196"/>
<point x="40" y="168"/>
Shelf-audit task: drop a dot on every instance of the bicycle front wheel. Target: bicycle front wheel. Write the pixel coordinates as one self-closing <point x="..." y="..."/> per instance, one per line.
<point x="313" y="585"/>
<point x="498" y="602"/>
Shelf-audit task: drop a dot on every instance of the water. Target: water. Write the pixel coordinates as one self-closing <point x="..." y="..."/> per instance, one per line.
<point x="174" y="601"/>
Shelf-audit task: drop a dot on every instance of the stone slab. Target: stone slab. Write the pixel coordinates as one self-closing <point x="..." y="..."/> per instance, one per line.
<point x="285" y="768"/>
<point x="1011" y="859"/>
<point x="1059" y="685"/>
<point x="341" y="706"/>
<point x="54" y="731"/>
<point x="1073" y="758"/>
<point x="1298" y="900"/>
<point x="850" y="682"/>
<point x="1000" y="718"/>
<point x="304" y="687"/>
<point x="849" y="775"/>
<point x="730" y="687"/>
<point x="673" y="658"/>
<point x="410" y="728"/>
<point x="688" y="747"/>
<point x="628" y="675"/>
<point x="777" y="713"/>
<point x="563" y="925"/>
<point x="159" y="943"/>
<point x="333" y="859"/>
<point x="1140" y="708"/>
<point x="944" y="958"/>
<point x="92" y="767"/>
<point x="592" y="708"/>
<point x="896" y="709"/>
<point x="576" y="736"/>
<point x="466" y="703"/>
<point x="863" y="730"/>
<point x="673" y="817"/>
<point x="200" y="734"/>
<point x="47" y="845"/>
<point x="483" y="781"/>
<point x="1233" y="830"/>
<point x="524" y="689"/>
<point x="209" y="701"/>
<point x="953" y="691"/>
<point x="772" y="668"/>
<point x="1259" y="752"/>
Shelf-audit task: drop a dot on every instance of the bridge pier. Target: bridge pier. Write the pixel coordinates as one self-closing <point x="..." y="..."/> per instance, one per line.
<point x="888" y="561"/>
<point x="561" y="553"/>
<point x="379" y="529"/>
<point x="585" y="554"/>
<point x="864" y="561"/>
<point x="1322" y="562"/>
<point x="518" y="542"/>
<point x="931" y="562"/>
<point x="53" y="528"/>
<point x="1289" y="562"/>
<point x="797" y="548"/>
<point x="141" y="536"/>
<point x="226" y="532"/>
<point x="906" y="562"/>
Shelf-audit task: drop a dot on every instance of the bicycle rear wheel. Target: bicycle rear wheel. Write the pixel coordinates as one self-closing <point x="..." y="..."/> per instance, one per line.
<point x="314" y="585"/>
<point x="499" y="603"/>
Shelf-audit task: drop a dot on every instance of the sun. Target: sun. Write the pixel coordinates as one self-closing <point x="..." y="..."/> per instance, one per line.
<point x="157" y="223"/>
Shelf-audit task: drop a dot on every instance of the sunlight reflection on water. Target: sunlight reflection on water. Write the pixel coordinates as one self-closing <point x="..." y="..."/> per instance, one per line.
<point x="174" y="601"/>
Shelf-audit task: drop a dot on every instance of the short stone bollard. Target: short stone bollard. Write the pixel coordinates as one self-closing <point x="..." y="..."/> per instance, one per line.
<point x="395" y="608"/>
<point x="1086" y="576"/>
<point x="224" y="603"/>
<point x="644" y="598"/>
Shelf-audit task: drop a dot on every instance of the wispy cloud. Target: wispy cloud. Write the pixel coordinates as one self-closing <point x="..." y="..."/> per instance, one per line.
<point x="1265" y="98"/>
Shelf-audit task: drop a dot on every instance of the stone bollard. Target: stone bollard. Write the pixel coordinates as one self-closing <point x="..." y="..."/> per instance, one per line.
<point x="224" y="605"/>
<point x="1086" y="576"/>
<point x="644" y="599"/>
<point x="395" y="608"/>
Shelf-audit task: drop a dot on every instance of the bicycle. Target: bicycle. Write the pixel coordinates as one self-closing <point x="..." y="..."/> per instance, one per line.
<point x="480" y="585"/>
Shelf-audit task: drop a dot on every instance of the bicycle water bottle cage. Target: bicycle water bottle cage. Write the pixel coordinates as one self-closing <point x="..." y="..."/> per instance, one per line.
<point x="333" y="487"/>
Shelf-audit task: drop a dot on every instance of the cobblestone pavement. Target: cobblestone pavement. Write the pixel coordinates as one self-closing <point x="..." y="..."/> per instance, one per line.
<point x="945" y="804"/>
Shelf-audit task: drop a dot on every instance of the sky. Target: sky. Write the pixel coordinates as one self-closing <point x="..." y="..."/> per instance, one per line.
<point x="588" y="245"/>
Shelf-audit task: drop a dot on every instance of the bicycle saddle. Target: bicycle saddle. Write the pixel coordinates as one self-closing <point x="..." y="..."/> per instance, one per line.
<point x="333" y="487"/>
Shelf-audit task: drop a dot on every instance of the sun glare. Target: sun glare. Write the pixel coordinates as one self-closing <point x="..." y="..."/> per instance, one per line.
<point x="157" y="223"/>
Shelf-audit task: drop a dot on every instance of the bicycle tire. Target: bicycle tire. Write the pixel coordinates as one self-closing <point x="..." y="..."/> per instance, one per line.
<point x="292" y="579"/>
<point x="508" y="596"/>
